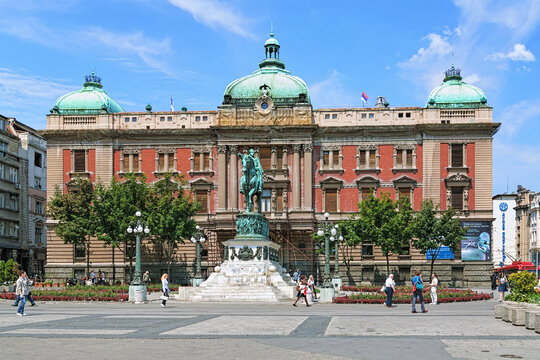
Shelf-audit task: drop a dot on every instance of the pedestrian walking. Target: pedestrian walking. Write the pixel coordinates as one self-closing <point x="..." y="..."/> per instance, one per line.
<point x="165" y="289"/>
<point x="433" y="286"/>
<point x="389" y="288"/>
<point x="22" y="290"/>
<point x="295" y="276"/>
<point x="494" y="280"/>
<point x="146" y="278"/>
<point x="29" y="298"/>
<point x="301" y="289"/>
<point x="103" y="278"/>
<point x="93" y="277"/>
<point x="418" y="286"/>
<point x="503" y="286"/>
<point x="311" y="285"/>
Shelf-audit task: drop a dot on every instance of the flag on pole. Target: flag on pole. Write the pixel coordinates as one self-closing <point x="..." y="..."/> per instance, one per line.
<point x="364" y="97"/>
<point x="172" y="105"/>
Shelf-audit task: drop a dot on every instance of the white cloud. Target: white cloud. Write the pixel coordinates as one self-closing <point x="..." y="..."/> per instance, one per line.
<point x="438" y="46"/>
<point x="216" y="14"/>
<point x="518" y="53"/>
<point x="472" y="79"/>
<point x="331" y="92"/>
<point x="515" y="116"/>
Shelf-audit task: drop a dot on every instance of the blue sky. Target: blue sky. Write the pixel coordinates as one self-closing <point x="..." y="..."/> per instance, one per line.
<point x="147" y="50"/>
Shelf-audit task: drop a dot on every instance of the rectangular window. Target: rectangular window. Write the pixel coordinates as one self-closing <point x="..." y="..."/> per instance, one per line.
<point x="197" y="118"/>
<point x="408" y="115"/>
<point x="136" y="163"/>
<point x="38" y="235"/>
<point x="79" y="159"/>
<point x="38" y="159"/>
<point x="205" y="118"/>
<point x="331" y="200"/>
<point x="14" y="202"/>
<point x="362" y="158"/>
<point x="404" y="193"/>
<point x="2" y="228"/>
<point x="126" y="119"/>
<point x="367" y="249"/>
<point x="3" y="200"/>
<point x="326" y="116"/>
<point x="399" y="159"/>
<point x="457" y="155"/>
<point x="202" y="197"/>
<point x="266" y="201"/>
<point x="37" y="182"/>
<point x="79" y="251"/>
<point x="197" y="162"/>
<point x="409" y="159"/>
<point x="279" y="201"/>
<point x="169" y="118"/>
<point x="39" y="207"/>
<point x="162" y="118"/>
<point x="371" y="116"/>
<point x="366" y="192"/>
<point x="400" y="115"/>
<point x="457" y="197"/>
<point x="372" y="159"/>
<point x="161" y="162"/>
<point x="171" y="163"/>
<point x="133" y="119"/>
<point x="334" y="116"/>
<point x="265" y="155"/>
<point x="126" y="163"/>
<point x="364" y="116"/>
<point x="13" y="175"/>
<point x="326" y="159"/>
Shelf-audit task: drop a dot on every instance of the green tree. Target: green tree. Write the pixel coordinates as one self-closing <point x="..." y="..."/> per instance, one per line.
<point x="431" y="231"/>
<point x="382" y="222"/>
<point x="170" y="215"/>
<point x="115" y="209"/>
<point x="74" y="215"/>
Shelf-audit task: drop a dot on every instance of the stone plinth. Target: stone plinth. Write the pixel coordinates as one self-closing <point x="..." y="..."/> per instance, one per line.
<point x="137" y="294"/>
<point x="326" y="295"/>
<point x="517" y="316"/>
<point x="537" y="322"/>
<point x="498" y="311"/>
<point x="530" y="322"/>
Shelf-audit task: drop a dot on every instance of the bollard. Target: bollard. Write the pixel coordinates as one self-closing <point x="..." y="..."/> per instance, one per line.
<point x="537" y="322"/>
<point x="517" y="316"/>
<point x="506" y="312"/>
<point x="498" y="311"/>
<point x="530" y="321"/>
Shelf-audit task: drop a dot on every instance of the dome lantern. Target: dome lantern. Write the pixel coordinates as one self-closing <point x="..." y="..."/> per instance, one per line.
<point x="455" y="93"/>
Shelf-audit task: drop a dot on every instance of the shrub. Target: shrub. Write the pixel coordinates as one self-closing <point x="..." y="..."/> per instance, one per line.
<point x="521" y="286"/>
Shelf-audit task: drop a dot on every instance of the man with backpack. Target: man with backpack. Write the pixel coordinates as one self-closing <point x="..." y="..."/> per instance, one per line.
<point x="418" y="286"/>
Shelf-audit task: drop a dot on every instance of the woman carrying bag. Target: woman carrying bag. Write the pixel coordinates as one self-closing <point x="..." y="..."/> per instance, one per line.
<point x="165" y="289"/>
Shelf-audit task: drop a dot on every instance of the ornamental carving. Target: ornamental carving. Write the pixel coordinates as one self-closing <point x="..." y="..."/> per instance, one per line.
<point x="367" y="147"/>
<point x="458" y="177"/>
<point x="245" y="253"/>
<point x="201" y="149"/>
<point x="251" y="224"/>
<point x="222" y="149"/>
<point x="331" y="147"/>
<point x="165" y="150"/>
<point x="308" y="147"/>
<point x="405" y="147"/>
<point x="130" y="150"/>
<point x="296" y="147"/>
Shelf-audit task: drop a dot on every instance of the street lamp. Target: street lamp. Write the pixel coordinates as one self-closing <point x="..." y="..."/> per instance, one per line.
<point x="198" y="238"/>
<point x="337" y="238"/>
<point x="138" y="227"/>
<point x="324" y="231"/>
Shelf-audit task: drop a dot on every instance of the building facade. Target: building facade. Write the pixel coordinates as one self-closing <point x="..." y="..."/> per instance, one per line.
<point x="315" y="161"/>
<point x="504" y="230"/>
<point x="527" y="214"/>
<point x="22" y="202"/>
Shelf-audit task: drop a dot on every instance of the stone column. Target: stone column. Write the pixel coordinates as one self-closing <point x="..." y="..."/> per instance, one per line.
<point x="201" y="161"/>
<point x="285" y="164"/>
<point x="222" y="177"/>
<point x="273" y="159"/>
<point x="331" y="159"/>
<point x="296" y="176"/>
<point x="233" y="193"/>
<point x="308" y="167"/>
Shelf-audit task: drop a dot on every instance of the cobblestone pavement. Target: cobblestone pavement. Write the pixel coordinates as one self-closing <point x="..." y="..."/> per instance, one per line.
<point x="261" y="331"/>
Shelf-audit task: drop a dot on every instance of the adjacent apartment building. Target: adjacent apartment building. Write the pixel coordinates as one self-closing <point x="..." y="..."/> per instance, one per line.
<point x="23" y="176"/>
<point x="527" y="214"/>
<point x="315" y="161"/>
<point x="504" y="229"/>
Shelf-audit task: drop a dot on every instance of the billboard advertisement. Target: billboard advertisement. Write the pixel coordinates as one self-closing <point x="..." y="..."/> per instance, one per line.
<point x="444" y="253"/>
<point x="477" y="243"/>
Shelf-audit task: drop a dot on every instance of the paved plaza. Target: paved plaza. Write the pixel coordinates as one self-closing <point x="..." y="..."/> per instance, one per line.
<point x="261" y="331"/>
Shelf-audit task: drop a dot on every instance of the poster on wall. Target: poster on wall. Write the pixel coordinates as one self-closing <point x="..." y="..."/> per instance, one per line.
<point x="444" y="253"/>
<point x="477" y="243"/>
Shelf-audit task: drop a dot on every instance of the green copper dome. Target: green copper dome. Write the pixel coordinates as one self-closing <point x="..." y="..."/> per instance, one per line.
<point x="454" y="93"/>
<point x="271" y="78"/>
<point x="91" y="99"/>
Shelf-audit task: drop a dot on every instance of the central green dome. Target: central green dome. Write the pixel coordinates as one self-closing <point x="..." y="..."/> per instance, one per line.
<point x="271" y="78"/>
<point x="454" y="93"/>
<point x="89" y="100"/>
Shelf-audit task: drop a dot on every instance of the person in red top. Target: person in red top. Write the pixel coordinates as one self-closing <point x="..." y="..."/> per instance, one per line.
<point x="301" y="289"/>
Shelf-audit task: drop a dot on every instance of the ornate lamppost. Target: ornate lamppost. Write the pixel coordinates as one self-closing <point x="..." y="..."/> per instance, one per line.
<point x="337" y="239"/>
<point x="137" y="286"/>
<point x="198" y="238"/>
<point x="327" y="230"/>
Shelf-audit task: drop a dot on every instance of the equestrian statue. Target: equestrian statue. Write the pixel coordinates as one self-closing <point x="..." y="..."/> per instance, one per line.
<point x="251" y="182"/>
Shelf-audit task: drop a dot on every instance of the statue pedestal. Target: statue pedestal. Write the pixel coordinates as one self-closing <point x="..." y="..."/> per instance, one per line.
<point x="250" y="272"/>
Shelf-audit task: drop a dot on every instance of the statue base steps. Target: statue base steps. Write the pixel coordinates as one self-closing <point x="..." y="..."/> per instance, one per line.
<point x="246" y="281"/>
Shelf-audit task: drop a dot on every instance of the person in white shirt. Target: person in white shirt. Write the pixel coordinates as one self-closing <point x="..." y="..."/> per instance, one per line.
<point x="389" y="289"/>
<point x="434" y="284"/>
<point x="165" y="289"/>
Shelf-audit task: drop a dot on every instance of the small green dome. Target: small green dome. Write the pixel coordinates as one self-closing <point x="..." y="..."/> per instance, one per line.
<point x="271" y="79"/>
<point x="91" y="99"/>
<point x="454" y="93"/>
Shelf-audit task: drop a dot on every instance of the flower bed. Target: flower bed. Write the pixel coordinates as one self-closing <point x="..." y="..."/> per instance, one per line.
<point x="403" y="295"/>
<point x="85" y="293"/>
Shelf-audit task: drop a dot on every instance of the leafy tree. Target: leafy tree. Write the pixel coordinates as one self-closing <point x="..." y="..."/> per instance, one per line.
<point x="382" y="222"/>
<point x="170" y="212"/>
<point x="74" y="213"/>
<point x="115" y="209"/>
<point x="431" y="231"/>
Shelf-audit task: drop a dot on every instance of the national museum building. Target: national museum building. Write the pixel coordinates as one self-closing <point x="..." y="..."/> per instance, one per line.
<point x="314" y="160"/>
